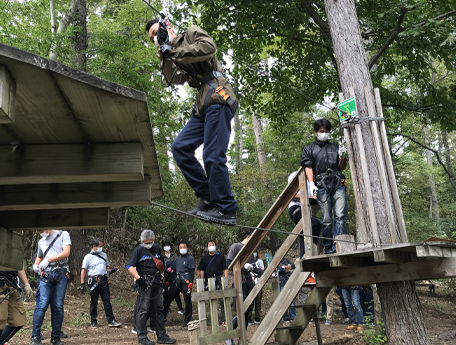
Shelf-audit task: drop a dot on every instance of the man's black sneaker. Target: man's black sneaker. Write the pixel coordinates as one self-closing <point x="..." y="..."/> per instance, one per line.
<point x="36" y="340"/>
<point x="94" y="324"/>
<point x="203" y="205"/>
<point x="146" y="341"/>
<point x="185" y="325"/>
<point x="63" y="335"/>
<point x="217" y="216"/>
<point x="56" y="341"/>
<point x="166" y="340"/>
<point x="114" y="323"/>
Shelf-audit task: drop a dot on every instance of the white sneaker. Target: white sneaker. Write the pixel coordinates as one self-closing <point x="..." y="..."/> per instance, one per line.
<point x="347" y="320"/>
<point x="180" y="312"/>
<point x="134" y="331"/>
<point x="151" y="330"/>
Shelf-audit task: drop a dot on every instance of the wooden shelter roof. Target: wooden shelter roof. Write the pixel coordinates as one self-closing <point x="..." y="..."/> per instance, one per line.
<point x="70" y="140"/>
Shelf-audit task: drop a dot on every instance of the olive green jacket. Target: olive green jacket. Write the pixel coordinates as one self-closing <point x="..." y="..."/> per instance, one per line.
<point x="196" y="50"/>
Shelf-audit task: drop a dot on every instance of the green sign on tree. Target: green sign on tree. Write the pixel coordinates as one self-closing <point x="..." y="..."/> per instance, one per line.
<point x="349" y="106"/>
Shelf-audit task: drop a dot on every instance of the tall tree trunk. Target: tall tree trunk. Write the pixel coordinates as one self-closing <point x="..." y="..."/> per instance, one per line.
<point x="63" y="25"/>
<point x="399" y="300"/>
<point x="80" y="35"/>
<point x="258" y="130"/>
<point x="434" y="205"/>
<point x="237" y="142"/>
<point x="448" y="162"/>
<point x="79" y="248"/>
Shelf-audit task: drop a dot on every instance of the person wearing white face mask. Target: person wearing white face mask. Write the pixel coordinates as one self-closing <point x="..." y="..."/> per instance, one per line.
<point x="170" y="273"/>
<point x="185" y="269"/>
<point x="323" y="162"/>
<point x="96" y="265"/>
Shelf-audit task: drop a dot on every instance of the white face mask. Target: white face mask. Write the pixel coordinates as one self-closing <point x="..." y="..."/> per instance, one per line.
<point x="99" y="249"/>
<point x="147" y="246"/>
<point x="183" y="251"/>
<point x="211" y="249"/>
<point x="44" y="234"/>
<point x="322" y="136"/>
<point x="167" y="248"/>
<point x="167" y="255"/>
<point x="156" y="42"/>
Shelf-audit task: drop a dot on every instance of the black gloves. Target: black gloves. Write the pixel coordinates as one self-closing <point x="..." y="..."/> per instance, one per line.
<point x="141" y="282"/>
<point x="165" y="48"/>
<point x="83" y="288"/>
<point x="113" y="270"/>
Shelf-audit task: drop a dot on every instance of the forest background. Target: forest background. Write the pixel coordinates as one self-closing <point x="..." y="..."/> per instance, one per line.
<point x="411" y="51"/>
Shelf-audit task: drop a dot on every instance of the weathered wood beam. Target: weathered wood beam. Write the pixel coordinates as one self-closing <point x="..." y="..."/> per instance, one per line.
<point x="386" y="257"/>
<point x="75" y="195"/>
<point x="216" y="294"/>
<point x="346" y="261"/>
<point x="55" y="219"/>
<point x="417" y="270"/>
<point x="11" y="247"/>
<point x="7" y="96"/>
<point x="32" y="164"/>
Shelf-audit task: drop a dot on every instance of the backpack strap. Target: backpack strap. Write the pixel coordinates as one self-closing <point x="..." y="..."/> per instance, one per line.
<point x="99" y="256"/>
<point x="52" y="243"/>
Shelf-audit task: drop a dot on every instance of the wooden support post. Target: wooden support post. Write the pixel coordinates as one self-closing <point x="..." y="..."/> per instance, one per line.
<point x="201" y="309"/>
<point x="213" y="307"/>
<point x="7" y="96"/>
<point x="310" y="247"/>
<point x="239" y="302"/>
<point x="390" y="170"/>
<point x="317" y="329"/>
<point x="12" y="249"/>
<point x="227" y="305"/>
<point x="72" y="163"/>
<point x="387" y="257"/>
<point x="193" y="329"/>
<point x="381" y="166"/>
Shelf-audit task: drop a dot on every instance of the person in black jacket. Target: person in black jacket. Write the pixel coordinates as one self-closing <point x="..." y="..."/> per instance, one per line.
<point x="146" y="266"/>
<point x="323" y="162"/>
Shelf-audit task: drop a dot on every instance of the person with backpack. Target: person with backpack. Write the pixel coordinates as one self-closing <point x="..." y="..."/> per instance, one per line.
<point x="52" y="264"/>
<point x="96" y="266"/>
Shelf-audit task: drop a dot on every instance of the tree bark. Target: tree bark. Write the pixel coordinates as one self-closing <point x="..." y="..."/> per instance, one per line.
<point x="398" y="299"/>
<point x="79" y="248"/>
<point x="63" y="25"/>
<point x="448" y="162"/>
<point x="258" y="130"/>
<point x="434" y="204"/>
<point x="80" y="35"/>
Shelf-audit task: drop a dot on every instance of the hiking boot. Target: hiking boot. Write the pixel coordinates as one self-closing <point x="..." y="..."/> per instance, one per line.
<point x="146" y="341"/>
<point x="57" y="341"/>
<point x="94" y="324"/>
<point x="359" y="327"/>
<point x="218" y="216"/>
<point x="203" y="205"/>
<point x="352" y="326"/>
<point x="166" y="340"/>
<point x="114" y="323"/>
<point x="36" y="340"/>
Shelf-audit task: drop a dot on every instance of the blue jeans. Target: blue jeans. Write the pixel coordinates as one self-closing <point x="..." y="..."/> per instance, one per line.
<point x="214" y="132"/>
<point x="353" y="305"/>
<point x="336" y="204"/>
<point x="47" y="293"/>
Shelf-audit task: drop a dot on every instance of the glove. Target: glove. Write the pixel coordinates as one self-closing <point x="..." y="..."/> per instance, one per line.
<point x="28" y="292"/>
<point x="313" y="189"/>
<point x="342" y="151"/>
<point x="189" y="288"/>
<point x="141" y="282"/>
<point x="43" y="264"/>
<point x="165" y="48"/>
<point x="83" y="288"/>
<point x="169" y="270"/>
<point x="248" y="267"/>
<point x="36" y="269"/>
<point x="113" y="270"/>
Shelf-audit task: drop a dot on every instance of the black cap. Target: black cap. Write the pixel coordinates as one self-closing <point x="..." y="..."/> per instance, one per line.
<point x="151" y="22"/>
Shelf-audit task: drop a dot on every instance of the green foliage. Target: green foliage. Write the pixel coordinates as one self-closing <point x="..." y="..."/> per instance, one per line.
<point x="376" y="336"/>
<point x="82" y="320"/>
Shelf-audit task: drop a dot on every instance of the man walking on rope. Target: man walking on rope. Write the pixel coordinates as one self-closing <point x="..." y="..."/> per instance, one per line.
<point x="190" y="57"/>
<point x="323" y="162"/>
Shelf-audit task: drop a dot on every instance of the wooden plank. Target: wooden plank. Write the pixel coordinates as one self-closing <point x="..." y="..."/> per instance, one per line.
<point x="213" y="307"/>
<point x="201" y="309"/>
<point x="227" y="305"/>
<point x="206" y="295"/>
<point x="7" y="96"/>
<point x="381" y="166"/>
<point x="12" y="249"/>
<point x="310" y="247"/>
<point x="268" y="221"/>
<point x="417" y="270"/>
<point x="390" y="170"/>
<point x="219" y="337"/>
<point x="55" y="219"/>
<point x="278" y="308"/>
<point x="384" y="256"/>
<point x="75" y="195"/>
<point x="346" y="261"/>
<point x="32" y="164"/>
<point x="276" y="259"/>
<point x="240" y="310"/>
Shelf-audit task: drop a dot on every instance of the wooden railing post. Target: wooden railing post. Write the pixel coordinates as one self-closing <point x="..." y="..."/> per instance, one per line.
<point x="201" y="309"/>
<point x="239" y="302"/>
<point x="227" y="305"/>
<point x="310" y="247"/>
<point x="213" y="307"/>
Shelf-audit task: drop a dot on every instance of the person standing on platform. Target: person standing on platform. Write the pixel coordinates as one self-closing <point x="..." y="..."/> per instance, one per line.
<point x="323" y="162"/>
<point x="96" y="265"/>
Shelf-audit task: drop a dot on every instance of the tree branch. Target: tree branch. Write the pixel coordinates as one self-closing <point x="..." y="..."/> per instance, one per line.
<point x="397" y="29"/>
<point x="308" y="5"/>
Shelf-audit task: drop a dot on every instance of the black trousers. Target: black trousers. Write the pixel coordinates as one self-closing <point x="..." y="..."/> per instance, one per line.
<point x="151" y="295"/>
<point x="247" y="286"/>
<point x="102" y="289"/>
<point x="173" y="291"/>
<point x="152" y="316"/>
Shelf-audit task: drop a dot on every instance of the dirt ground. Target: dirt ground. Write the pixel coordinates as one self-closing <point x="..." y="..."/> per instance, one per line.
<point x="439" y="312"/>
